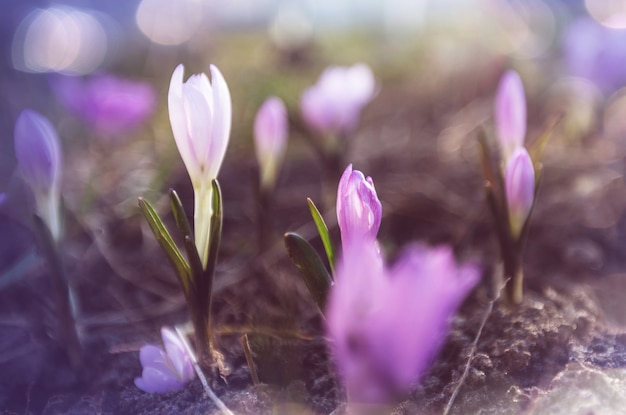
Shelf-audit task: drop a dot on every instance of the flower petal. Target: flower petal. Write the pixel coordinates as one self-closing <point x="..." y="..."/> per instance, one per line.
<point x="222" y="120"/>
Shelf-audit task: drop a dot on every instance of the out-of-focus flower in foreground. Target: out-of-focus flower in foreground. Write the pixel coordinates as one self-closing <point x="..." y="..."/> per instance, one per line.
<point x="333" y="105"/>
<point x="519" y="183"/>
<point x="38" y="154"/>
<point x="165" y="370"/>
<point x="359" y="212"/>
<point x="270" y="139"/>
<point x="200" y="114"/>
<point x="109" y="104"/>
<point x="385" y="326"/>
<point x="510" y="113"/>
<point x="3" y="197"/>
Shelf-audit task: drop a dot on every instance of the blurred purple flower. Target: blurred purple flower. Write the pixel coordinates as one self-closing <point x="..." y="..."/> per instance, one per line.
<point x="519" y="182"/>
<point x="385" y="326"/>
<point x="270" y="138"/>
<point x="359" y="212"/>
<point x="333" y="105"/>
<point x="165" y="370"/>
<point x="201" y="117"/>
<point x="38" y="154"/>
<point x="3" y="197"/>
<point x="109" y="104"/>
<point x="596" y="53"/>
<point x="510" y="113"/>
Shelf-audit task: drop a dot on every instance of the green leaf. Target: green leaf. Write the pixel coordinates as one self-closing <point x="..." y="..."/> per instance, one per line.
<point x="323" y="231"/>
<point x="164" y="239"/>
<point x="316" y="276"/>
<point x="216" y="228"/>
<point x="180" y="217"/>
<point x="535" y="150"/>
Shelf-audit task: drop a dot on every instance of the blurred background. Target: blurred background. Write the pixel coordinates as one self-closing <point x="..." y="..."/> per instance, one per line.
<point x="100" y="71"/>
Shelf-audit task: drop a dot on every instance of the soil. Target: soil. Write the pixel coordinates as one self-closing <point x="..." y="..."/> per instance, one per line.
<point x="427" y="175"/>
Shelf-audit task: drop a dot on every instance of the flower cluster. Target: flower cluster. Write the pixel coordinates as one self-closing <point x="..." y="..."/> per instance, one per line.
<point x="386" y="325"/>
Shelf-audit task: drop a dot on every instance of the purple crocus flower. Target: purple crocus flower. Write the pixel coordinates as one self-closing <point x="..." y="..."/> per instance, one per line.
<point x="110" y="104"/>
<point x="38" y="154"/>
<point x="510" y="113"/>
<point x="270" y="138"/>
<point x="332" y="106"/>
<point x="519" y="182"/>
<point x="359" y="212"/>
<point x="165" y="370"/>
<point x="386" y="325"/>
<point x="596" y="53"/>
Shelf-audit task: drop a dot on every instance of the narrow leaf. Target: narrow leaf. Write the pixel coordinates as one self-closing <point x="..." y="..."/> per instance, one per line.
<point x="216" y="228"/>
<point x="488" y="171"/>
<point x="164" y="239"/>
<point x="538" y="146"/>
<point x="180" y="217"/>
<point x="323" y="231"/>
<point x="315" y="275"/>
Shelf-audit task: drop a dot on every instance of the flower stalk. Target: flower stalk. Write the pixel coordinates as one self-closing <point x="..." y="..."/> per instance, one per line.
<point x="200" y="115"/>
<point x="38" y="153"/>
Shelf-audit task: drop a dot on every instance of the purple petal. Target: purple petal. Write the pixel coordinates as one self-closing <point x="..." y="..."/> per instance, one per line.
<point x="359" y="211"/>
<point x="37" y="151"/>
<point x="333" y="104"/>
<point x="177" y="354"/>
<point x="270" y="137"/>
<point x="222" y="120"/>
<point x="154" y="380"/>
<point x="386" y="326"/>
<point x="510" y="112"/>
<point x="519" y="181"/>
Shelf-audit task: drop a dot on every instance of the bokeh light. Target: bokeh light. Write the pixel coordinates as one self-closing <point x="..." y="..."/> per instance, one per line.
<point x="167" y="22"/>
<point x="610" y="13"/>
<point x="59" y="39"/>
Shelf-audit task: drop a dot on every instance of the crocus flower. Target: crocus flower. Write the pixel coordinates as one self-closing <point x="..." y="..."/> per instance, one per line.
<point x="165" y="370"/>
<point x="519" y="182"/>
<point x="386" y="325"/>
<point x="359" y="211"/>
<point x="270" y="138"/>
<point x="332" y="106"/>
<point x="38" y="154"/>
<point x="109" y="104"/>
<point x="510" y="113"/>
<point x="200" y="114"/>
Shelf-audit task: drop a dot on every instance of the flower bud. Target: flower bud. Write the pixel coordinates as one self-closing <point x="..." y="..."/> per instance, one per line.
<point x="359" y="211"/>
<point x="38" y="154"/>
<point x="510" y="113"/>
<point x="270" y="139"/>
<point x="201" y="114"/>
<point x="519" y="182"/>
